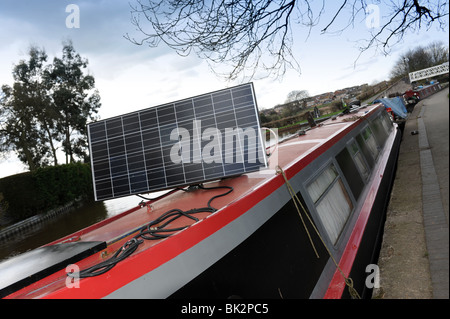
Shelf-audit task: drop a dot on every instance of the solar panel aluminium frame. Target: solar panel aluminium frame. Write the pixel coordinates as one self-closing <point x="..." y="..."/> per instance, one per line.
<point x="190" y="141"/>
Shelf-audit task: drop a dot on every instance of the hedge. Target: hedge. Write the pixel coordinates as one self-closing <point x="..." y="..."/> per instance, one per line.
<point x="27" y="194"/>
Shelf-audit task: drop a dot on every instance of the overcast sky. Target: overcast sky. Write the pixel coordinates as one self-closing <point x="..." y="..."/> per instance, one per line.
<point x="131" y="77"/>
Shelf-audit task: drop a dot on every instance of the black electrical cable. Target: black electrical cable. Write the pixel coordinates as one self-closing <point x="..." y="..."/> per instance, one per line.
<point x="151" y="232"/>
<point x="160" y="196"/>
<point x="125" y="251"/>
<point x="230" y="189"/>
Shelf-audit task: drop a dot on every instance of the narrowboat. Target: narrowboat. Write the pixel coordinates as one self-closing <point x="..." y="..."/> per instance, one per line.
<point x="306" y="226"/>
<point x="420" y="92"/>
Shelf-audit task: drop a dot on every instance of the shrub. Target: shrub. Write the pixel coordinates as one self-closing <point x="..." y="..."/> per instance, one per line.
<point x="31" y="193"/>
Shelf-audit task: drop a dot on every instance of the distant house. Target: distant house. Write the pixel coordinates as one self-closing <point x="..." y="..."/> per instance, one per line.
<point x="310" y="103"/>
<point x="320" y="99"/>
<point x="339" y="93"/>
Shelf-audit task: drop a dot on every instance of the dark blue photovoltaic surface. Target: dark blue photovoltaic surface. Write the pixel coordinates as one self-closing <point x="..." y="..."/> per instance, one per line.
<point x="186" y="142"/>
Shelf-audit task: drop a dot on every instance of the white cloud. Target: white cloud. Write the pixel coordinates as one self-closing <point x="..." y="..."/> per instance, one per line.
<point x="10" y="165"/>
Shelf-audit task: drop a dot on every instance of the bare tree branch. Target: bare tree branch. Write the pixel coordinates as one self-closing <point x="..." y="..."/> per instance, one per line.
<point x="253" y="35"/>
<point x="408" y="16"/>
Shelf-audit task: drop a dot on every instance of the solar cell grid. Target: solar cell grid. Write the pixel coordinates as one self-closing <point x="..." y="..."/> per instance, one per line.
<point x="190" y="141"/>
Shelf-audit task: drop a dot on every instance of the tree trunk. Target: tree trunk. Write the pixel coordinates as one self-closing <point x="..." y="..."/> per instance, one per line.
<point x="55" y="160"/>
<point x="68" y="146"/>
<point x="27" y="152"/>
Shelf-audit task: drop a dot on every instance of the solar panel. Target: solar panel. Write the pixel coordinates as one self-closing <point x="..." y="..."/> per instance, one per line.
<point x="186" y="142"/>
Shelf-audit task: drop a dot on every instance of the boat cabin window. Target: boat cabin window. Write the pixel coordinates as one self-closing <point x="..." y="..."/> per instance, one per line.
<point x="386" y="121"/>
<point x="368" y="146"/>
<point x="358" y="157"/>
<point x="351" y="172"/>
<point x="332" y="202"/>
<point x="379" y="131"/>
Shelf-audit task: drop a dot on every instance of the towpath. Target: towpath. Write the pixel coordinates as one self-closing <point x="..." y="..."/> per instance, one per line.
<point x="414" y="258"/>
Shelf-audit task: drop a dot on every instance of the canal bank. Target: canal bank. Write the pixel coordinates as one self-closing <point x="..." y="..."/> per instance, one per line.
<point x="414" y="257"/>
<point x="12" y="230"/>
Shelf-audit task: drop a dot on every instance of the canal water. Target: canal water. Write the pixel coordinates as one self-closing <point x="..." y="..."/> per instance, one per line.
<point x="78" y="218"/>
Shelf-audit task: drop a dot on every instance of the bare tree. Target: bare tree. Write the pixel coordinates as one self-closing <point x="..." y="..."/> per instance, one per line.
<point x="296" y="95"/>
<point x="407" y="15"/>
<point x="438" y="52"/>
<point x="419" y="58"/>
<point x="254" y="35"/>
